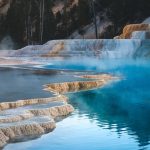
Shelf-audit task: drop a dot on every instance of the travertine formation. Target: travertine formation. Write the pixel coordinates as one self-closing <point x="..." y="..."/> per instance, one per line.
<point x="99" y="77"/>
<point x="55" y="50"/>
<point x="72" y="49"/>
<point x="129" y="29"/>
<point x="30" y="118"/>
<point x="20" y="103"/>
<point x="61" y="88"/>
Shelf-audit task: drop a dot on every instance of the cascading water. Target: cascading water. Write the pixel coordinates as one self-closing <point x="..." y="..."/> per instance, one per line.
<point x="140" y="35"/>
<point x="84" y="48"/>
<point x="105" y="48"/>
<point x="117" y="112"/>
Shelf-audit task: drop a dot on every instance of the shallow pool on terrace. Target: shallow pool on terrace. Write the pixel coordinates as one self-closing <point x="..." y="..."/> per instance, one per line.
<point x="115" y="117"/>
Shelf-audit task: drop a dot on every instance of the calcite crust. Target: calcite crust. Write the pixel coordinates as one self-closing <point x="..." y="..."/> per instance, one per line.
<point x="34" y="117"/>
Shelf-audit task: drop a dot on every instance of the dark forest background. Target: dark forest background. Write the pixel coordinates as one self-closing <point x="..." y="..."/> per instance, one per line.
<point x="34" y="22"/>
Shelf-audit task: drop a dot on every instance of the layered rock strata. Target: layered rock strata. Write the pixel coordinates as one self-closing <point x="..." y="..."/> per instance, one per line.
<point x="31" y="118"/>
<point x="61" y="88"/>
<point x="20" y="103"/>
<point x="100" y="48"/>
<point x="129" y="29"/>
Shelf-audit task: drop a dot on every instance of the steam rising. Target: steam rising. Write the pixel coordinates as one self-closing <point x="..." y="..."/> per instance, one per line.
<point x="7" y="43"/>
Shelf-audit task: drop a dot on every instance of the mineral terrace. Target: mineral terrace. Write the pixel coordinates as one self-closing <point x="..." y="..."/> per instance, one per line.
<point x="31" y="118"/>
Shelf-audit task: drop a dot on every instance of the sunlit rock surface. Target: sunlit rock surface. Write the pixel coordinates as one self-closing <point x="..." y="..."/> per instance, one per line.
<point x="101" y="48"/>
<point x="126" y="45"/>
<point x="20" y="103"/>
<point x="129" y="29"/>
<point x="30" y="118"/>
<point x="61" y="88"/>
<point x="25" y="119"/>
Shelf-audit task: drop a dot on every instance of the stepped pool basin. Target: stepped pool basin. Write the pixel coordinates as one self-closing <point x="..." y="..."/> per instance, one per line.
<point x="115" y="116"/>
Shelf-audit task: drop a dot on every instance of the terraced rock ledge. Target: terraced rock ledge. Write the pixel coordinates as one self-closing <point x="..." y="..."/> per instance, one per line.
<point x="31" y="118"/>
<point x="95" y="81"/>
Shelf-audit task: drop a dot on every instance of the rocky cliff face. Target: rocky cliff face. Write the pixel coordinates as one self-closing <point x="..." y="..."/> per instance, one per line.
<point x="4" y="6"/>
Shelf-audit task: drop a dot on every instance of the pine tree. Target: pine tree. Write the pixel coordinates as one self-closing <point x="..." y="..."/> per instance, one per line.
<point x="49" y="22"/>
<point x="84" y="14"/>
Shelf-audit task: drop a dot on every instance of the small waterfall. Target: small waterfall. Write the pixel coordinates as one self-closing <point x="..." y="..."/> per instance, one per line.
<point x="102" y="49"/>
<point x="144" y="50"/>
<point x="141" y="35"/>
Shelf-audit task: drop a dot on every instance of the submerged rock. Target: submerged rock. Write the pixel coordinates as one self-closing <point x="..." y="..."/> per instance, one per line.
<point x="99" y="77"/>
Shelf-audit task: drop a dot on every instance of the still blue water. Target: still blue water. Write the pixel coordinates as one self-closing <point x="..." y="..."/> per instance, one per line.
<point x="115" y="117"/>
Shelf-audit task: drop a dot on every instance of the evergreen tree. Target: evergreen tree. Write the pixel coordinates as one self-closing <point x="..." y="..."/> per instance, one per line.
<point x="49" y="22"/>
<point x="84" y="14"/>
<point x="31" y="21"/>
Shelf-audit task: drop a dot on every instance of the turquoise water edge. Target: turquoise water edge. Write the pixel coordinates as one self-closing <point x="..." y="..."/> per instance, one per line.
<point x="115" y="117"/>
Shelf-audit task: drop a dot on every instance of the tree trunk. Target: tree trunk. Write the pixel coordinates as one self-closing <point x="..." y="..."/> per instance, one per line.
<point x="95" y="20"/>
<point x="42" y="10"/>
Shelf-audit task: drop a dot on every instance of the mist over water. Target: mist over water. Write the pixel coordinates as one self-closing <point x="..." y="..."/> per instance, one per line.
<point x="7" y="43"/>
<point x="115" y="116"/>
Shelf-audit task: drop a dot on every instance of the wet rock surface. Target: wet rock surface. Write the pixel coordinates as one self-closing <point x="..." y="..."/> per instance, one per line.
<point x="99" y="81"/>
<point x="99" y="77"/>
<point x="74" y="49"/>
<point x="31" y="118"/>
<point x="129" y="29"/>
